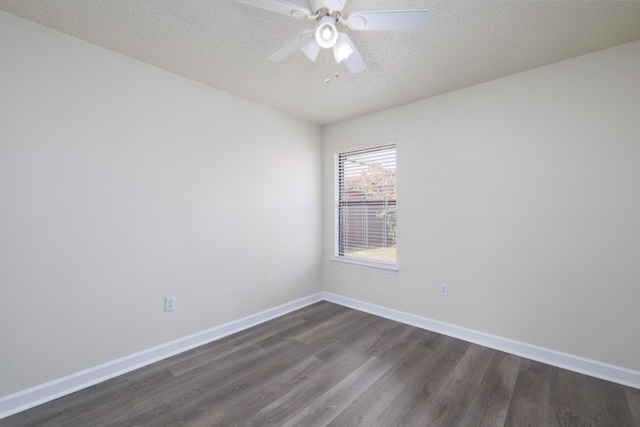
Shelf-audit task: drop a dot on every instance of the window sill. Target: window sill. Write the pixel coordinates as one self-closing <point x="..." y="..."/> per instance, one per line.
<point x="381" y="267"/>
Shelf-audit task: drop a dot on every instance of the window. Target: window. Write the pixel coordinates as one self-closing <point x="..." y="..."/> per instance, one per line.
<point x="366" y="207"/>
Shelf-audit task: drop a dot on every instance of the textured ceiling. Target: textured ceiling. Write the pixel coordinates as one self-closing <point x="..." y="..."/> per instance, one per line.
<point x="224" y="44"/>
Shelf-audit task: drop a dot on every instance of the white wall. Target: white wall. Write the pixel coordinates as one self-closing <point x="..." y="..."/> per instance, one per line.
<point x="522" y="194"/>
<point x="121" y="184"/>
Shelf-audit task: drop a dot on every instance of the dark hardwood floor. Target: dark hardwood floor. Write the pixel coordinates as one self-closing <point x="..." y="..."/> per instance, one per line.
<point x="330" y="365"/>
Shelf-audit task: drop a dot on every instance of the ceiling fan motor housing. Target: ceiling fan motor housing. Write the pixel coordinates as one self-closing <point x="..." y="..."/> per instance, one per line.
<point x="332" y="5"/>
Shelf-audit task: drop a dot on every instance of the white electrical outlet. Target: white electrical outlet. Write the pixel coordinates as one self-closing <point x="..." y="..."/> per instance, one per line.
<point x="169" y="303"/>
<point x="444" y="289"/>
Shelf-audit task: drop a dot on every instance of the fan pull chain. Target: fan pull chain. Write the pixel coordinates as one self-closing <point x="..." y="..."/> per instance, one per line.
<point x="327" y="58"/>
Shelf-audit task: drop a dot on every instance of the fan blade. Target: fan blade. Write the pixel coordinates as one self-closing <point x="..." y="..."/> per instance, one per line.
<point x="279" y="6"/>
<point x="402" y="20"/>
<point x="354" y="61"/>
<point x="291" y="46"/>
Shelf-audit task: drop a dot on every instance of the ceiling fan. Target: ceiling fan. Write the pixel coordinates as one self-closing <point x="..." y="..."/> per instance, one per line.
<point x="325" y="35"/>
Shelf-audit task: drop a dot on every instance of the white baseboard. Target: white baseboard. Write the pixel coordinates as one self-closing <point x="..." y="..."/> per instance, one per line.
<point x="567" y="361"/>
<point x="25" y="399"/>
<point x="43" y="393"/>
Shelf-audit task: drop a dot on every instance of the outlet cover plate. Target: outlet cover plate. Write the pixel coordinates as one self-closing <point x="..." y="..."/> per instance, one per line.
<point x="444" y="289"/>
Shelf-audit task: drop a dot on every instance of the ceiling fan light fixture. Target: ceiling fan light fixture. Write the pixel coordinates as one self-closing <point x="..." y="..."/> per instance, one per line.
<point x="326" y="33"/>
<point x="327" y="14"/>
<point x="311" y="49"/>
<point x="342" y="50"/>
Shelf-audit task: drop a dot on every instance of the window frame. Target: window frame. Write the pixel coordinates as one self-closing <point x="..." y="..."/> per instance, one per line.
<point x="362" y="263"/>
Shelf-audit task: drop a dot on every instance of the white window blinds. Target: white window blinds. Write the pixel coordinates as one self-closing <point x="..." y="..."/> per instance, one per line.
<point x="366" y="204"/>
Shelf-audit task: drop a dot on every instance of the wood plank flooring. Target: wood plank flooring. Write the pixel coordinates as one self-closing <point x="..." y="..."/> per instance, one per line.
<point x="328" y="365"/>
